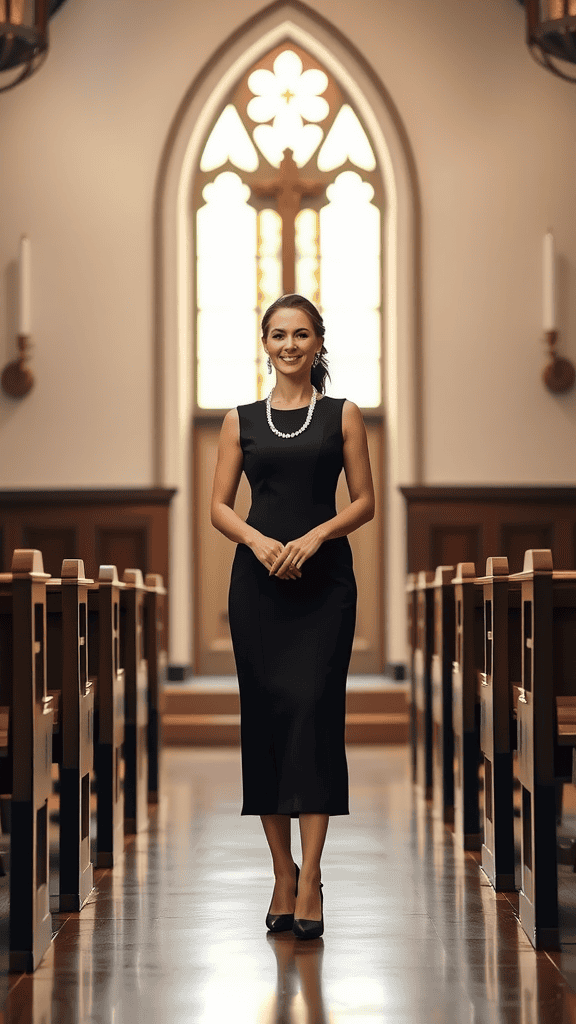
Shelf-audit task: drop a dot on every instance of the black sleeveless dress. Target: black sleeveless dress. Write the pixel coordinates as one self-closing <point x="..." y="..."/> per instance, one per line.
<point x="292" y="638"/>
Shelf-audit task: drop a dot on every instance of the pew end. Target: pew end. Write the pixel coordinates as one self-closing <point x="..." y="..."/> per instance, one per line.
<point x="423" y="680"/>
<point x="466" y="671"/>
<point x="498" y="699"/>
<point x="67" y="647"/>
<point x="23" y="616"/>
<point x="157" y="660"/>
<point x="441" y="672"/>
<point x="105" y="652"/>
<point x="545" y="732"/>
<point x="133" y="633"/>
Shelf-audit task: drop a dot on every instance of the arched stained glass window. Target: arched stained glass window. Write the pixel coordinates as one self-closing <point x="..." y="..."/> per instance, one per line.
<point x="288" y="197"/>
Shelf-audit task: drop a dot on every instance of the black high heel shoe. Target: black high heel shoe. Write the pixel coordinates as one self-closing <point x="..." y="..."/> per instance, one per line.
<point x="282" y="922"/>
<point x="306" y="929"/>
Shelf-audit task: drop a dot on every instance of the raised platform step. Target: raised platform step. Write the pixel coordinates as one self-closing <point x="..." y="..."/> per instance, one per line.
<point x="206" y="712"/>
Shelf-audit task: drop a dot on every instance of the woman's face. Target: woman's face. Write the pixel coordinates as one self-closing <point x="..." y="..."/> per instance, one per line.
<point x="291" y="342"/>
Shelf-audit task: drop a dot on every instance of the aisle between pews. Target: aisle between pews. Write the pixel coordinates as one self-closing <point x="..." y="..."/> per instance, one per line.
<point x="414" y="931"/>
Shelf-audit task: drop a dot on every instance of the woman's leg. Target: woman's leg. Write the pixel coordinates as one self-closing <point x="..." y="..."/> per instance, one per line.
<point x="313" y="829"/>
<point x="277" y="830"/>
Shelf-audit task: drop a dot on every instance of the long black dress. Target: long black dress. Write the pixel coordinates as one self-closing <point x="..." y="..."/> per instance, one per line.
<point x="292" y="638"/>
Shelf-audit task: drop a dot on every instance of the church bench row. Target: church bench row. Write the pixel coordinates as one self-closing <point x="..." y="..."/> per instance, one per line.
<point x="66" y="698"/>
<point x="492" y="664"/>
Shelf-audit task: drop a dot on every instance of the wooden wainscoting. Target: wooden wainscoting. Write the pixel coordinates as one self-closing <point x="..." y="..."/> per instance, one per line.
<point x="447" y="525"/>
<point x="125" y="527"/>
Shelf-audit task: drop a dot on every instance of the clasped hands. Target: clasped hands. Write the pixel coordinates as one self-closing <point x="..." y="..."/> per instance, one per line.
<point x="286" y="560"/>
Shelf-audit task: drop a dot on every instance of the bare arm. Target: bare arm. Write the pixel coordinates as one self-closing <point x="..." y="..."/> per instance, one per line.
<point x="226" y="481"/>
<point x="358" y="477"/>
<point x="224" y="490"/>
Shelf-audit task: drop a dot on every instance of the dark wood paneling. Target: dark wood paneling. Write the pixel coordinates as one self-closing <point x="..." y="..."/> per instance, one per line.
<point x="125" y="548"/>
<point x="450" y="544"/>
<point x="446" y="525"/>
<point x="55" y="543"/>
<point x="520" y="537"/>
<point x="126" y="527"/>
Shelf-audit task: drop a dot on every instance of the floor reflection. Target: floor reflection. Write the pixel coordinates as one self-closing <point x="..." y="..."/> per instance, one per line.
<point x="175" y="933"/>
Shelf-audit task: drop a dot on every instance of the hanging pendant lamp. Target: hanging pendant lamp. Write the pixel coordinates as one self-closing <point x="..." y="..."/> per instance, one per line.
<point x="551" y="34"/>
<point x="23" y="38"/>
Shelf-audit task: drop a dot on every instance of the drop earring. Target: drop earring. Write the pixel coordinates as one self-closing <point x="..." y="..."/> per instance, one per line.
<point x="316" y="360"/>
<point x="269" y="365"/>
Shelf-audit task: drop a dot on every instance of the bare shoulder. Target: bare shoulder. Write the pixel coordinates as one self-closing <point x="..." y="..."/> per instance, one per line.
<point x="231" y="427"/>
<point x="352" y="420"/>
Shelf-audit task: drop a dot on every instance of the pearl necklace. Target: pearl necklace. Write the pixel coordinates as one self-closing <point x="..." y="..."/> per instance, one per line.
<point x="296" y="432"/>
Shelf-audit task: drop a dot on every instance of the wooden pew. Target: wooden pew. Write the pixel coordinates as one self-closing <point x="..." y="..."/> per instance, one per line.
<point x="25" y="764"/>
<point x="500" y="682"/>
<point x="104" y="657"/>
<point x="423" y="681"/>
<point x="442" y="730"/>
<point x="468" y="663"/>
<point x="411" y="624"/>
<point x="157" y="659"/>
<point x="132" y="605"/>
<point x="546" y="732"/>
<point x="70" y="684"/>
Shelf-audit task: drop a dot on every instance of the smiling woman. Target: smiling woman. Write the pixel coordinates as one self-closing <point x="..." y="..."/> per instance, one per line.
<point x="292" y="598"/>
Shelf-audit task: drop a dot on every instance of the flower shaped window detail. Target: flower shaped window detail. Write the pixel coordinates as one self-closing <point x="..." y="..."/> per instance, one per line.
<point x="288" y="96"/>
<point x="288" y="196"/>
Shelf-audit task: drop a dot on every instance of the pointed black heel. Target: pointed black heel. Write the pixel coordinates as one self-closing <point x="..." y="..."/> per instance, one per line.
<point x="282" y="922"/>
<point x="305" y="929"/>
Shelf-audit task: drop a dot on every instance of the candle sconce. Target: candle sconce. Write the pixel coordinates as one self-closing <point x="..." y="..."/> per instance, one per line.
<point x="559" y="373"/>
<point x="17" y="379"/>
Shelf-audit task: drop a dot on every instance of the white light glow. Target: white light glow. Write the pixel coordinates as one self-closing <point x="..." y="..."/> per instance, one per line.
<point x="350" y="289"/>
<point x="270" y="258"/>
<point x="308" y="255"/>
<point x="286" y="96"/>
<point x="226" y="235"/>
<point x="287" y="87"/>
<point x="346" y="140"/>
<point x="229" y="140"/>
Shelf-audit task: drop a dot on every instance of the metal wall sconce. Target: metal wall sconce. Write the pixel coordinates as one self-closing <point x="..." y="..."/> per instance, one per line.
<point x="558" y="374"/>
<point x="17" y="379"/>
<point x="23" y="38"/>
<point x="551" y="33"/>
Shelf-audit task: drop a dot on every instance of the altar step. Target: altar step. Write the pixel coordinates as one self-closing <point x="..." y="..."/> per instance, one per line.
<point x="206" y="711"/>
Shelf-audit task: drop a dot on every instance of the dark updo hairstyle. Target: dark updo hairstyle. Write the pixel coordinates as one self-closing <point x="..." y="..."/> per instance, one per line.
<point x="319" y="372"/>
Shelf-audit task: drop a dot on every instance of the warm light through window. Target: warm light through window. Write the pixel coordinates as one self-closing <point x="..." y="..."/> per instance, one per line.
<point x="346" y="140"/>
<point x="226" y="293"/>
<point x="287" y="102"/>
<point x="229" y="140"/>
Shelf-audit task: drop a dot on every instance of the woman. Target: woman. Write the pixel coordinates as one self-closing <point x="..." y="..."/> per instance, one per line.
<point x="292" y="599"/>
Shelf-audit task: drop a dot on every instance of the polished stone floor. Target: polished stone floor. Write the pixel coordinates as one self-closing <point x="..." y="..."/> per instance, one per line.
<point x="176" y="935"/>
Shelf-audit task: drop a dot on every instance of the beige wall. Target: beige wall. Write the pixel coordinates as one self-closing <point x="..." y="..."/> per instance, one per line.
<point x="492" y="136"/>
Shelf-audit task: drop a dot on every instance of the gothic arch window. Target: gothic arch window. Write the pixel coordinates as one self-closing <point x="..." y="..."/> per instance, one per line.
<point x="287" y="196"/>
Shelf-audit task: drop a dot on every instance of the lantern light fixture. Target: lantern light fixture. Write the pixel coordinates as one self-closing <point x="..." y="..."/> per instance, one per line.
<point x="551" y="34"/>
<point x="23" y="38"/>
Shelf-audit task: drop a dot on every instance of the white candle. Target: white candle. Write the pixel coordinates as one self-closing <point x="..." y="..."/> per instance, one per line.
<point x="25" y="304"/>
<point x="549" y="304"/>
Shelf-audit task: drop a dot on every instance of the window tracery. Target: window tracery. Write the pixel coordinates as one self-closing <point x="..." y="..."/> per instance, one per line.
<point x="288" y="197"/>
